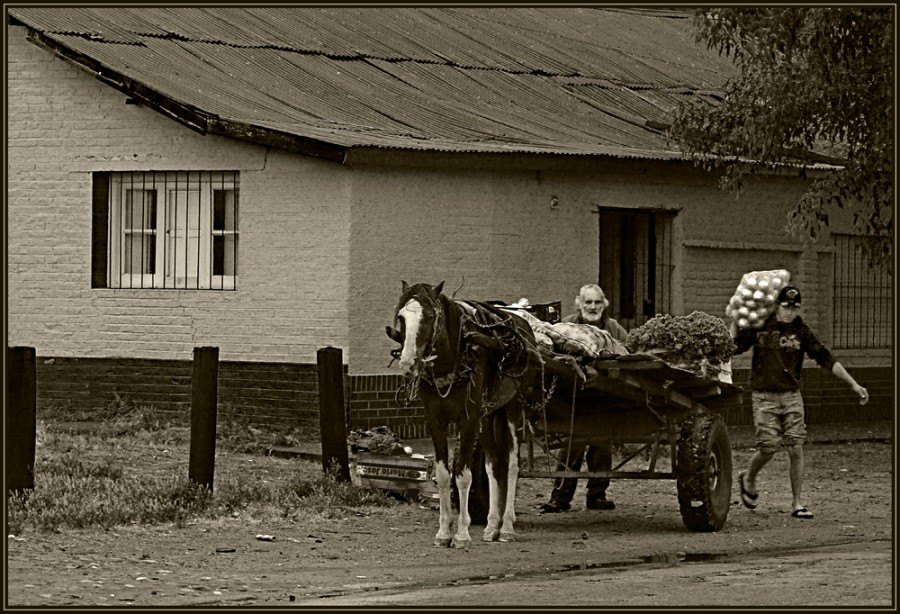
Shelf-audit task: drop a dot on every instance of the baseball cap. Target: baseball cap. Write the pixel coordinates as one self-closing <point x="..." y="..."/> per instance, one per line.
<point x="789" y="297"/>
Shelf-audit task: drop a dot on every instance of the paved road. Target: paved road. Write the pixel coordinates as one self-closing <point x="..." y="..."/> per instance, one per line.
<point x="857" y="574"/>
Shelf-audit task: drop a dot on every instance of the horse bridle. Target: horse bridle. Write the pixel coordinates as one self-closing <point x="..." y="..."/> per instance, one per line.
<point x="394" y="334"/>
<point x="448" y="380"/>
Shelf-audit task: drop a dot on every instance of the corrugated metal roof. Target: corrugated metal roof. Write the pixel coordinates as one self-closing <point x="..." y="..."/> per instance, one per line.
<point x="550" y="80"/>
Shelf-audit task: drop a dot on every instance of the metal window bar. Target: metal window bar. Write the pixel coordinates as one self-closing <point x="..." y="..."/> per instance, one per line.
<point x="183" y="240"/>
<point x="159" y="269"/>
<point x="199" y="231"/>
<point x="143" y="235"/>
<point x="218" y="228"/>
<point x="863" y="317"/>
<point x="161" y="230"/>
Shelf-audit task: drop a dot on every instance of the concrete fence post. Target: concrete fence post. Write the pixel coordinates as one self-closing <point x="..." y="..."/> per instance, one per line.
<point x="331" y="411"/>
<point x="204" y="391"/>
<point x="21" y="419"/>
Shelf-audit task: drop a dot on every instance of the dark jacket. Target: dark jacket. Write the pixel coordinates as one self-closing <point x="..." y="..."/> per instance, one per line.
<point x="609" y="325"/>
<point x="778" y="351"/>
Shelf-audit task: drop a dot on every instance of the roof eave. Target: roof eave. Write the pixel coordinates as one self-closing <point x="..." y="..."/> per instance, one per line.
<point x="191" y="117"/>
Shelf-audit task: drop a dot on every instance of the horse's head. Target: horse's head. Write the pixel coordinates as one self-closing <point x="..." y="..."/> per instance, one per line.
<point x="417" y="322"/>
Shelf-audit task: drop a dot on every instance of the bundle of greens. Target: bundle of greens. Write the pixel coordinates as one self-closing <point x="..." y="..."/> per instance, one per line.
<point x="380" y="440"/>
<point x="691" y="342"/>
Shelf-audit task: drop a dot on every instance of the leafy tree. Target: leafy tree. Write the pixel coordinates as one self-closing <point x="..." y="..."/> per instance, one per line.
<point x="812" y="81"/>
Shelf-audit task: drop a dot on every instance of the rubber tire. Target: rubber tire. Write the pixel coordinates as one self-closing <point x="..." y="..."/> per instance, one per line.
<point x="703" y="473"/>
<point x="479" y="493"/>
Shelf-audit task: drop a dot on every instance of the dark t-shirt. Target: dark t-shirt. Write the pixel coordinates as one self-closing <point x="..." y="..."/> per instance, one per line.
<point x="778" y="351"/>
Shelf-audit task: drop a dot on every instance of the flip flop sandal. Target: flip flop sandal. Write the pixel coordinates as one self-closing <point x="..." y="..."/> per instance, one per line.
<point x="747" y="498"/>
<point x="802" y="513"/>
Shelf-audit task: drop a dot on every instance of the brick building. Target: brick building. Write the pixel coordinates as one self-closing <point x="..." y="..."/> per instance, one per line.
<point x="325" y="167"/>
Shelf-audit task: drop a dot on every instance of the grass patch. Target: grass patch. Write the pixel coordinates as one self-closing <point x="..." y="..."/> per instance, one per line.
<point x="137" y="473"/>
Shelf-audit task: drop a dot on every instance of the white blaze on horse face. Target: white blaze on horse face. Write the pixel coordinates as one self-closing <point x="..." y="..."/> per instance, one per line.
<point x="412" y="318"/>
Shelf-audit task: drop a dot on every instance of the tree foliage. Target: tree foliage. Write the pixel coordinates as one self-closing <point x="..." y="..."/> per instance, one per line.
<point x="812" y="81"/>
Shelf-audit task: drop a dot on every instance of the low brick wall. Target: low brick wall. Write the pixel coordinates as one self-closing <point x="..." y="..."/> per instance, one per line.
<point x="265" y="393"/>
<point x="827" y="398"/>
<point x="285" y="395"/>
<point x="373" y="403"/>
<point x="86" y="384"/>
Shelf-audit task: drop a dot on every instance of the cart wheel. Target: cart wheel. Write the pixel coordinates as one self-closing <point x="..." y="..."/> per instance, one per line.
<point x="479" y="493"/>
<point x="704" y="472"/>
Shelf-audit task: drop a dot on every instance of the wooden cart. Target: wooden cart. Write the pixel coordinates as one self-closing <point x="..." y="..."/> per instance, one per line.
<point x="638" y="399"/>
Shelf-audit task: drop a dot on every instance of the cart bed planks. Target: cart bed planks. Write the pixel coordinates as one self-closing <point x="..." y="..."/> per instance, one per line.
<point x="639" y="398"/>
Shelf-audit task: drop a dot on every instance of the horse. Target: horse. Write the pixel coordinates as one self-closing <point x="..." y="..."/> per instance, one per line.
<point x="472" y="365"/>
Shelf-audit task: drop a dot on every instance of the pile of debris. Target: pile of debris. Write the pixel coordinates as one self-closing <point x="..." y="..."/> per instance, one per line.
<point x="380" y="440"/>
<point x="383" y="461"/>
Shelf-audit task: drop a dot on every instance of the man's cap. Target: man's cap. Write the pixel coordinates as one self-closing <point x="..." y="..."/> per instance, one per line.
<point x="789" y="297"/>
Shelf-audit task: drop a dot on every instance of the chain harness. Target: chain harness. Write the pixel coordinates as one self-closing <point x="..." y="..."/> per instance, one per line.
<point x="486" y="320"/>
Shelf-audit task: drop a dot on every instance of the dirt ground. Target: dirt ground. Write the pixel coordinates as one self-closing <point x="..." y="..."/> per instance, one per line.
<point x="365" y="558"/>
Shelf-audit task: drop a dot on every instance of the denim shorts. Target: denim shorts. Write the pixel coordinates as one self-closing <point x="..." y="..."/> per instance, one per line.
<point x="779" y="419"/>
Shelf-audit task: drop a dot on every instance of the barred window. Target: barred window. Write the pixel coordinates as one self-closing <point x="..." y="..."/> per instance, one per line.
<point x="172" y="229"/>
<point x="863" y="317"/>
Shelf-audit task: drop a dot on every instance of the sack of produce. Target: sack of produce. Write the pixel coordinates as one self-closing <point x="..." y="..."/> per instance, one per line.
<point x="568" y="337"/>
<point x="754" y="299"/>
<point x="539" y="327"/>
<point x="544" y="340"/>
<point x="583" y="340"/>
<point x="699" y="343"/>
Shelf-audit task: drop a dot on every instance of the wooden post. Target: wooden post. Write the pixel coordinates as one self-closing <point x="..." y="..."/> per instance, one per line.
<point x="21" y="419"/>
<point x="204" y="390"/>
<point x="331" y="411"/>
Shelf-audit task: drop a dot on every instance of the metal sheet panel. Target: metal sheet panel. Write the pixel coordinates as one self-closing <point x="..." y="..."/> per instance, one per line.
<point x="571" y="80"/>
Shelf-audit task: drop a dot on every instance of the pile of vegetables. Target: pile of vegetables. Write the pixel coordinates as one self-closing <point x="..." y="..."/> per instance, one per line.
<point x="380" y="440"/>
<point x="690" y="342"/>
<point x="754" y="300"/>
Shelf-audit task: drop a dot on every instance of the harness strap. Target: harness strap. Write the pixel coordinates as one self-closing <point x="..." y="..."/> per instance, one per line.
<point x="491" y="322"/>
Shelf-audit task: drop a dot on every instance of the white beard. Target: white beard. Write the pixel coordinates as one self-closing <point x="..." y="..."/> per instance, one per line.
<point x="591" y="318"/>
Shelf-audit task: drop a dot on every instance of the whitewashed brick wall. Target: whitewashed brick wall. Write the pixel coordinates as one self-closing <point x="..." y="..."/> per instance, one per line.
<point x="294" y="230"/>
<point x="487" y="220"/>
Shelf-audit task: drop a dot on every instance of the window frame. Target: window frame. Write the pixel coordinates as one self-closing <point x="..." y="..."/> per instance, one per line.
<point x="172" y="252"/>
<point x="636" y="261"/>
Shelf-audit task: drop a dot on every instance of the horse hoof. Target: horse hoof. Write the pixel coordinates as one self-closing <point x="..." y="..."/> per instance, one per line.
<point x="507" y="537"/>
<point x="490" y="536"/>
<point x="442" y="542"/>
<point x="462" y="544"/>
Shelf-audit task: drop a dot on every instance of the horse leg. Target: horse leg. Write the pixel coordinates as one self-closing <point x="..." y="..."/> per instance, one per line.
<point x="492" y="466"/>
<point x="442" y="475"/>
<point x="502" y="463"/>
<point x="507" y="529"/>
<point x="463" y="485"/>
